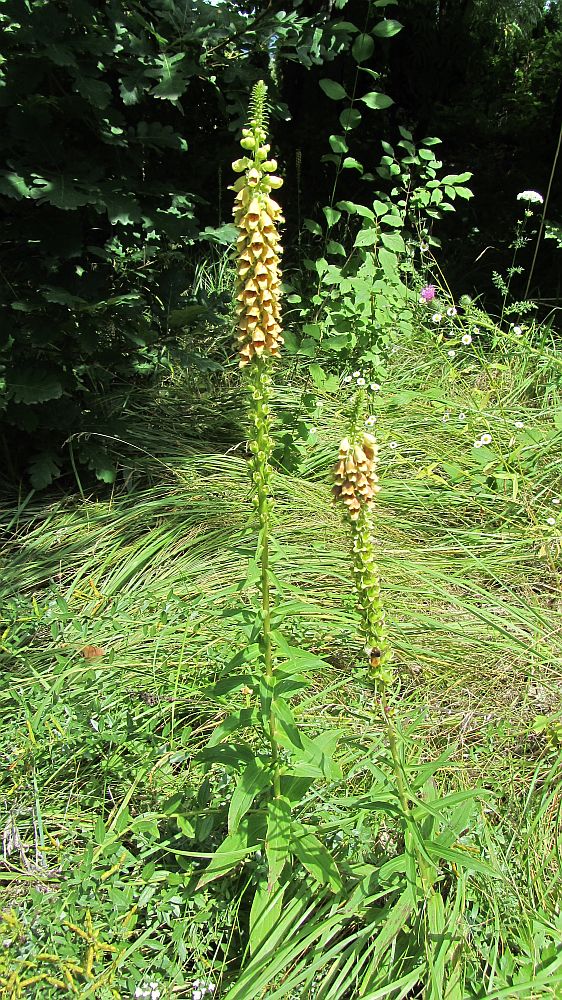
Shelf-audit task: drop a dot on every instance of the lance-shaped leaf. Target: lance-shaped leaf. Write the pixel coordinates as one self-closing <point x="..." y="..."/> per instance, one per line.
<point x="278" y="838"/>
<point x="229" y="854"/>
<point x="251" y="782"/>
<point x="315" y="857"/>
<point x="264" y="914"/>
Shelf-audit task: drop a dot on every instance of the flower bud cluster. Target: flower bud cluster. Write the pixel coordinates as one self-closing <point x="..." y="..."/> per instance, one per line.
<point x="355" y="479"/>
<point x="369" y="601"/>
<point x="259" y="250"/>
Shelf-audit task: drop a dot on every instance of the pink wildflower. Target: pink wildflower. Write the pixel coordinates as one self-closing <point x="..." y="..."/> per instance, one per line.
<point x="427" y="293"/>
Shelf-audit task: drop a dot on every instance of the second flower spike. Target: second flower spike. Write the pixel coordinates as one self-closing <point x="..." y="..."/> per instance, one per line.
<point x="355" y="479"/>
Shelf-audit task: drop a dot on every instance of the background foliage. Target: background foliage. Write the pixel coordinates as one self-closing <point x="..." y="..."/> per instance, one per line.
<point x="119" y="121"/>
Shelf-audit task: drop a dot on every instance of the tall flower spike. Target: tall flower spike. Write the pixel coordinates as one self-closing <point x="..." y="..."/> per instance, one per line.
<point x="258" y="248"/>
<point x="356" y="485"/>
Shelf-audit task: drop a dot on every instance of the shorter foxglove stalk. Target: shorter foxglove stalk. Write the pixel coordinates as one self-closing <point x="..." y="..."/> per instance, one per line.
<point x="356" y="485"/>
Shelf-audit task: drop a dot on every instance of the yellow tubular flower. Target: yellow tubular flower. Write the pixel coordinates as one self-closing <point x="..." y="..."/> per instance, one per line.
<point x="257" y="215"/>
<point x="355" y="479"/>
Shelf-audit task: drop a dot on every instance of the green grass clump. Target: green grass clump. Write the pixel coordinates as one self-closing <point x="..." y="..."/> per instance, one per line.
<point x="121" y="611"/>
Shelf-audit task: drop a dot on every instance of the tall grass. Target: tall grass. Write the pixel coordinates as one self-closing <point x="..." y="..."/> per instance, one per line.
<point x="151" y="576"/>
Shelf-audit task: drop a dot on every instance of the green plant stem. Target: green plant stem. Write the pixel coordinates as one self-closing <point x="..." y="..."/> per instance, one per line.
<point x="395" y="754"/>
<point x="268" y="652"/>
<point x="262" y="447"/>
<point x="425" y="869"/>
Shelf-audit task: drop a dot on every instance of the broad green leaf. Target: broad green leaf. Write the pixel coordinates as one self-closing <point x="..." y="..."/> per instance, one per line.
<point x="277" y="839"/>
<point x="32" y="385"/>
<point x="13" y="186"/>
<point x="312" y="227"/>
<point x="332" y="215"/>
<point x="336" y="248"/>
<point x="62" y="192"/>
<point x="122" y="209"/>
<point x="315" y="857"/>
<point x="350" y="118"/>
<point x="244" y="718"/>
<point x="366" y="237"/>
<point x="387" y="28"/>
<point x="380" y="208"/>
<point x="351" y="162"/>
<point x="228" y="754"/>
<point x="226" y="857"/>
<point x="457" y="178"/>
<point x="94" y="91"/>
<point x="308" y="661"/>
<point x="393" y="241"/>
<point x="338" y="144"/>
<point x="354" y="209"/>
<point x="332" y="89"/>
<point x="264" y="913"/>
<point x="389" y="263"/>
<point x="313" y="330"/>
<point x="43" y="469"/>
<point x="251" y="782"/>
<point x="363" y="48"/>
<point x="287" y="730"/>
<point x="376" y="100"/>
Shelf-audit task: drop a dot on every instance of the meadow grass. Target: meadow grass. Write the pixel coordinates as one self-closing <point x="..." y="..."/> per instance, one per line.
<point x="99" y="744"/>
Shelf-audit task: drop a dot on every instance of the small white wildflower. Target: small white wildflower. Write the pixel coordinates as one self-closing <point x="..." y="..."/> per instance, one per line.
<point x="347" y="378"/>
<point x="356" y="374"/>
<point x="393" y="445"/>
<point x="139" y="992"/>
<point x="370" y="421"/>
<point x="196" y="983"/>
<point x="424" y="247"/>
<point x="155" y="995"/>
<point x="451" y="354"/>
<point x="551" y="521"/>
<point x="451" y="311"/>
<point x="476" y="330"/>
<point x="462" y="416"/>
<point x="446" y="417"/>
<point x="436" y="318"/>
<point x="517" y="330"/>
<point x="375" y="386"/>
<point x="361" y="381"/>
<point x="211" y="987"/>
<point x="486" y="438"/>
<point x="477" y="444"/>
<point x="532" y="196"/>
<point x="466" y="339"/>
<point x="197" y="994"/>
<point x="518" y="424"/>
<point x="556" y="502"/>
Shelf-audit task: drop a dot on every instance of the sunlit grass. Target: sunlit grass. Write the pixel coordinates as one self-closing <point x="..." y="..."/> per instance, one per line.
<point x="150" y="573"/>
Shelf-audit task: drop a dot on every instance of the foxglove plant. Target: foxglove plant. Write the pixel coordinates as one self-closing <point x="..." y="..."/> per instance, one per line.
<point x="261" y="818"/>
